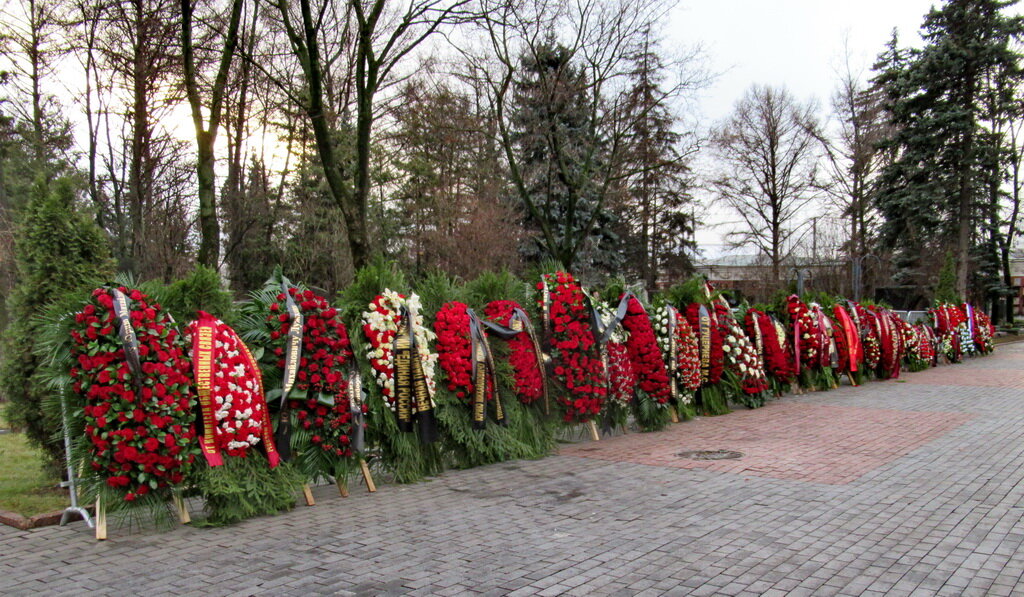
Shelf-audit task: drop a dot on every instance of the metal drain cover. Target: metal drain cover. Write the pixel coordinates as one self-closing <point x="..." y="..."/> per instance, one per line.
<point x="710" y="455"/>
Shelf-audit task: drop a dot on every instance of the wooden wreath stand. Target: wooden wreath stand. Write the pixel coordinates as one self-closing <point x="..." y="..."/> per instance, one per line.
<point x="101" y="515"/>
<point x="343" y="486"/>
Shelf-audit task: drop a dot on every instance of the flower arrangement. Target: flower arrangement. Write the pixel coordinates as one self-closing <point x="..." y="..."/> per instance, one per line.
<point x="848" y="341"/>
<point x="925" y="344"/>
<point x="710" y="341"/>
<point x="642" y="346"/>
<point x="868" y="325"/>
<point x="983" y="332"/>
<point x="676" y="337"/>
<point x="234" y="408"/>
<point x="323" y="410"/>
<point x="138" y="405"/>
<point x="825" y="338"/>
<point x="380" y="326"/>
<point x="454" y="351"/>
<point x="804" y="331"/>
<point x="740" y="353"/>
<point x="773" y="346"/>
<point x="890" y="340"/>
<point x="621" y="377"/>
<point x="574" y="350"/>
<point x="523" y="351"/>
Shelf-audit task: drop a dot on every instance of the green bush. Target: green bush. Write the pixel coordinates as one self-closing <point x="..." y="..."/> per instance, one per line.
<point x="57" y="250"/>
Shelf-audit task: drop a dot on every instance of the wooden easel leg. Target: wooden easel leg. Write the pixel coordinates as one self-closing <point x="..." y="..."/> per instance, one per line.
<point x="101" y="520"/>
<point x="594" y="435"/>
<point x="342" y="487"/>
<point x="675" y="414"/>
<point x="370" y="486"/>
<point x="308" y="494"/>
<point x="179" y="504"/>
<point x="852" y="381"/>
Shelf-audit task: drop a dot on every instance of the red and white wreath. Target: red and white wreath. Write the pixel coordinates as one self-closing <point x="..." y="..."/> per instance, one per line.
<point x="380" y="325"/>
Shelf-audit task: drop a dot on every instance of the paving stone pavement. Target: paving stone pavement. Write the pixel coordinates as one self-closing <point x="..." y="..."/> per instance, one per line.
<point x="906" y="487"/>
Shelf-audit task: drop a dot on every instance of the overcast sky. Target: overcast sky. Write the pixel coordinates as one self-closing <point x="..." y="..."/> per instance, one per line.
<point x="797" y="43"/>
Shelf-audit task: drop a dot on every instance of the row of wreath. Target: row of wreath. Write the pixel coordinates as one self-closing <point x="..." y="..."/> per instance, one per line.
<point x="159" y="406"/>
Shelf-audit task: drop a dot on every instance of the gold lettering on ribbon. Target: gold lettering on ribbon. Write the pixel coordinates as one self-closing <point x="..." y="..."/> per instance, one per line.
<point x="403" y="377"/>
<point x="419" y="381"/>
<point x="705" y="346"/>
<point x="480" y="392"/>
<point x="204" y="376"/>
<point x="267" y="429"/>
<point x="294" y="348"/>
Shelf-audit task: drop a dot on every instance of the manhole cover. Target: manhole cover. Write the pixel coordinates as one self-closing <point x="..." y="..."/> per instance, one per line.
<point x="710" y="455"/>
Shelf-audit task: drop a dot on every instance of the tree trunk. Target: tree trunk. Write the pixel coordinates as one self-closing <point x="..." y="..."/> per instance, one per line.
<point x="209" y="227"/>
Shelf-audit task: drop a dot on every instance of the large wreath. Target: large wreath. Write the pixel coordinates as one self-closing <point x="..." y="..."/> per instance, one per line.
<point x="644" y="354"/>
<point x="320" y="410"/>
<point x="741" y="354"/>
<point x="804" y="332"/>
<point x="675" y="336"/>
<point x="138" y="405"/>
<point x="574" y="350"/>
<point x="777" y="360"/>
<point x="380" y="325"/>
<point x="230" y="387"/>
<point x="523" y="352"/>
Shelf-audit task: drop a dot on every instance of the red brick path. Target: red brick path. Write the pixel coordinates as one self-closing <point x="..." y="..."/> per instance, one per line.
<point x="785" y="440"/>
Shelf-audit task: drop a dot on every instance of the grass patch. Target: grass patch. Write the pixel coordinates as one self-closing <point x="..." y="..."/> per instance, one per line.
<point x="24" y="487"/>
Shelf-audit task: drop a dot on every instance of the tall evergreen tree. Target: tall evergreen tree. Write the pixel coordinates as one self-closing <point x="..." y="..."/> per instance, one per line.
<point x="658" y="228"/>
<point x="58" y="250"/>
<point x="561" y="158"/>
<point x="932" y="195"/>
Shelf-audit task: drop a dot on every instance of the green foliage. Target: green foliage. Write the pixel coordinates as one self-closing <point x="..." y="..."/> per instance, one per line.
<point x="649" y="415"/>
<point x="711" y="401"/>
<point x="434" y="291"/>
<point x="202" y="290"/>
<point x="686" y="293"/>
<point x="246" y="487"/>
<point x="945" y="290"/>
<point x="824" y="299"/>
<point x="57" y="250"/>
<point x="368" y="283"/>
<point x="943" y="101"/>
<point x="495" y="286"/>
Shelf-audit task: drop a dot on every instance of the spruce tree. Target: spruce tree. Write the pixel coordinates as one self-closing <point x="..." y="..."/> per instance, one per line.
<point x="932" y="194"/>
<point x="561" y="162"/>
<point x="658" y="231"/>
<point x="58" y="250"/>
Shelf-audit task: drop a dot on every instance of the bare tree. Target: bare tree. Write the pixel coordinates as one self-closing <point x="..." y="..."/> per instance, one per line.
<point x="32" y="45"/>
<point x="594" y="42"/>
<point x="767" y="155"/>
<point x="382" y="35"/>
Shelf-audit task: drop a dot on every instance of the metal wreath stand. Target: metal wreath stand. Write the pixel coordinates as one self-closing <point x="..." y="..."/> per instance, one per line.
<point x="72" y="482"/>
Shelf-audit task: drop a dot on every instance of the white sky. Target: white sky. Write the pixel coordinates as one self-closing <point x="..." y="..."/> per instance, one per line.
<point x="801" y="44"/>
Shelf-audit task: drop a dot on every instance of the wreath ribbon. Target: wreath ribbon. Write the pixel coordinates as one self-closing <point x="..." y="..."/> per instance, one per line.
<point x="202" y="366"/>
<point x="412" y="396"/>
<point x="129" y="340"/>
<point x="483" y="374"/>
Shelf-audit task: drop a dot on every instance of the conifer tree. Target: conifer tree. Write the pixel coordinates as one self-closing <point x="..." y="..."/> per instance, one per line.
<point x="932" y="195"/>
<point x="58" y="250"/>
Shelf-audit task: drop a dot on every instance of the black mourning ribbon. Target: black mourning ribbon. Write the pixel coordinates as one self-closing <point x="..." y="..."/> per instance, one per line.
<point x="483" y="371"/>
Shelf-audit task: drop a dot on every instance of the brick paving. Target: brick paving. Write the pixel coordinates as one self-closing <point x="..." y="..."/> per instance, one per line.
<point x="908" y="487"/>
